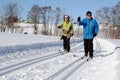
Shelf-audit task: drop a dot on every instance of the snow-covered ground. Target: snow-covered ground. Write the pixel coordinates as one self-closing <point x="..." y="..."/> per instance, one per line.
<point x="37" y="57"/>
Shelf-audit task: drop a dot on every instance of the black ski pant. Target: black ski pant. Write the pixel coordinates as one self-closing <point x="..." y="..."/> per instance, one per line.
<point x="88" y="47"/>
<point x="66" y="43"/>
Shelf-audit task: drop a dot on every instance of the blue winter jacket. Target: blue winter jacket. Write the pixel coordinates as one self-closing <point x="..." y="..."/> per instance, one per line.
<point x="90" y="27"/>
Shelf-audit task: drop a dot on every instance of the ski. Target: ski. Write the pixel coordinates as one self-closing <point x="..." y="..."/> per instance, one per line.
<point x="62" y="52"/>
<point x="83" y="57"/>
<point x="75" y="55"/>
<point x="89" y="59"/>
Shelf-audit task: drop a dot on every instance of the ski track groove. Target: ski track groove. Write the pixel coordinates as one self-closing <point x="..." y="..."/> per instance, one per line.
<point x="72" y="67"/>
<point x="20" y="65"/>
<point x="17" y="66"/>
<point x="68" y="71"/>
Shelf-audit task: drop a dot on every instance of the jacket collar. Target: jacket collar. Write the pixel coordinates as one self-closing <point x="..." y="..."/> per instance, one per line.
<point x="89" y="19"/>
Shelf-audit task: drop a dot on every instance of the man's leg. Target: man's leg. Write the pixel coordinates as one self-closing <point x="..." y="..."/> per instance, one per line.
<point x="86" y="47"/>
<point x="91" y="48"/>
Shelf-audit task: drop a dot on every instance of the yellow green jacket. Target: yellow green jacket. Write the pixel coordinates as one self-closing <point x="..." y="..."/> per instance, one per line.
<point x="68" y="27"/>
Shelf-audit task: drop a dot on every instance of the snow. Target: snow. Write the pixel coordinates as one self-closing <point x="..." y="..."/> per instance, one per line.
<point x="22" y="39"/>
<point x="37" y="57"/>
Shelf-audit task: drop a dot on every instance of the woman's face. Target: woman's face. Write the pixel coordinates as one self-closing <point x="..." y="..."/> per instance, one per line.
<point x="66" y="18"/>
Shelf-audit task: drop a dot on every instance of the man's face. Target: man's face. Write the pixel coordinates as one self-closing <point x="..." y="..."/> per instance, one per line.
<point x="89" y="16"/>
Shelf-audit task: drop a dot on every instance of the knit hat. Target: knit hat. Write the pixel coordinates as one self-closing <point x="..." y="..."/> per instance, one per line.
<point x="89" y="12"/>
<point x="66" y="16"/>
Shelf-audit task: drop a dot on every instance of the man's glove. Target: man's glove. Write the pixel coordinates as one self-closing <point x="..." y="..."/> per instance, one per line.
<point x="79" y="19"/>
<point x="95" y="34"/>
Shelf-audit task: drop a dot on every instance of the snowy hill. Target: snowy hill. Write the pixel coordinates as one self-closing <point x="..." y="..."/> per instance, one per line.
<point x="37" y="57"/>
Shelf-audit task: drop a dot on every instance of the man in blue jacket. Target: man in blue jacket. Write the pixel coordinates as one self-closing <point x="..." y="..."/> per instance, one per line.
<point x="90" y="30"/>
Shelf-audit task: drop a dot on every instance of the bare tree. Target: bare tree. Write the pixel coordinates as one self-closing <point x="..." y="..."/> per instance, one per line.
<point x="45" y="11"/>
<point x="52" y="19"/>
<point x="2" y="24"/>
<point x="115" y="21"/>
<point x="105" y="16"/>
<point x="117" y="7"/>
<point x="49" y="19"/>
<point x="46" y="16"/>
<point x="58" y="13"/>
<point x="110" y="18"/>
<point x="10" y="14"/>
<point x="34" y="16"/>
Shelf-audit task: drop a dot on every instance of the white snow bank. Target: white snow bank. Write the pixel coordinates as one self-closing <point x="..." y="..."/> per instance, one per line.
<point x="20" y="39"/>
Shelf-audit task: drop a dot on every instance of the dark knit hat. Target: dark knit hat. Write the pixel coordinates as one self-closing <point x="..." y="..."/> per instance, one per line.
<point x="89" y="12"/>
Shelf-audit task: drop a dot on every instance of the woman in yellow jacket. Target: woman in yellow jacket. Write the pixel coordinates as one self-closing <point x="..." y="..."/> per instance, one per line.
<point x="67" y="32"/>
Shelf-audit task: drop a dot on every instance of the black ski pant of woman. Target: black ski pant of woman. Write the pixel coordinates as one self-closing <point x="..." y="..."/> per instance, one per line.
<point x="66" y="43"/>
<point x="88" y="47"/>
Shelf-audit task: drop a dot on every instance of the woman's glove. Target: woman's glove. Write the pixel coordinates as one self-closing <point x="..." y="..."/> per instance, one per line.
<point x="65" y="32"/>
<point x="58" y="26"/>
<point x="61" y="37"/>
<point x="70" y="36"/>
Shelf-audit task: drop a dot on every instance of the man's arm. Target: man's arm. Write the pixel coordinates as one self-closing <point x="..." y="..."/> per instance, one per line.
<point x="79" y="22"/>
<point x="96" y="29"/>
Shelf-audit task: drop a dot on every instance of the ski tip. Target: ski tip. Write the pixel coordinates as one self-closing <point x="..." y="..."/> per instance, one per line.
<point x="89" y="59"/>
<point x="74" y="56"/>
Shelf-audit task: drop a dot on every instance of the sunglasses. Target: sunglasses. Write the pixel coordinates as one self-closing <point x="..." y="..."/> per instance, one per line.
<point x="66" y="18"/>
<point x="88" y="15"/>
